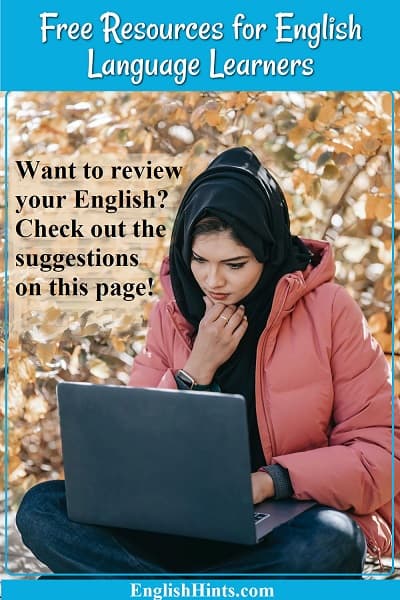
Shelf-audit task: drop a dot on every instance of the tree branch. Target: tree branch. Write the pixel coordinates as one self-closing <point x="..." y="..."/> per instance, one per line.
<point x="340" y="204"/>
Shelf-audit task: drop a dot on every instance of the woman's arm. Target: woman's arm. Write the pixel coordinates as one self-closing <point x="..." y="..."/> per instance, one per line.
<point x="153" y="367"/>
<point x="354" y="471"/>
<point x="214" y="344"/>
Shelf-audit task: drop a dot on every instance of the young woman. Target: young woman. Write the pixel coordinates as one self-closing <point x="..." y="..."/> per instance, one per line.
<point x="248" y="308"/>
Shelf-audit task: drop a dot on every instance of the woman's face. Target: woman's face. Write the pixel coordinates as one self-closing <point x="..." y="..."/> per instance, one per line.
<point x="225" y="270"/>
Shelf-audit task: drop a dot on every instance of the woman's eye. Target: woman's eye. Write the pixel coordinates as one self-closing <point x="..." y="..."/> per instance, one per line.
<point x="197" y="259"/>
<point x="233" y="266"/>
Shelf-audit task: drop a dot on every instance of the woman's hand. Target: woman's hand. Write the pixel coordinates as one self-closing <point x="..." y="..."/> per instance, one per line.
<point x="219" y="334"/>
<point x="262" y="486"/>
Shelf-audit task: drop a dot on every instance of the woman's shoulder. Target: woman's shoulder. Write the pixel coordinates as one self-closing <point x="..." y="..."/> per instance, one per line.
<point x="338" y="296"/>
<point x="334" y="291"/>
<point x="165" y="314"/>
<point x="332" y="300"/>
<point x="159" y="308"/>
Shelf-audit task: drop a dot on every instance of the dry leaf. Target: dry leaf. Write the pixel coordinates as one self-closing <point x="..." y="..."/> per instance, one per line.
<point x="377" y="322"/>
<point x="378" y="207"/>
<point x="99" y="368"/>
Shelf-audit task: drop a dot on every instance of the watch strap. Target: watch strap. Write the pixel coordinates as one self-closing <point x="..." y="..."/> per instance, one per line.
<point x="186" y="382"/>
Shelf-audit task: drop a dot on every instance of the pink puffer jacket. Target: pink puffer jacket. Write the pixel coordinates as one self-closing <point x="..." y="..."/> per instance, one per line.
<point x="323" y="394"/>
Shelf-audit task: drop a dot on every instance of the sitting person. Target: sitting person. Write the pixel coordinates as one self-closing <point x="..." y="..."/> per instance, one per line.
<point x="250" y="309"/>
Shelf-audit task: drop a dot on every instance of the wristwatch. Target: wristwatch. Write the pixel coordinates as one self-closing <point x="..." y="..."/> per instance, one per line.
<point x="185" y="379"/>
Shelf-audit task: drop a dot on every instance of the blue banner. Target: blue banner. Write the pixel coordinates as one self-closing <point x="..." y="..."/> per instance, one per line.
<point x="163" y="590"/>
<point x="239" y="45"/>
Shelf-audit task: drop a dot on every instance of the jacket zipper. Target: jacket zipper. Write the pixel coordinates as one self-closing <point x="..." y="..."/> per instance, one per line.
<point x="259" y="378"/>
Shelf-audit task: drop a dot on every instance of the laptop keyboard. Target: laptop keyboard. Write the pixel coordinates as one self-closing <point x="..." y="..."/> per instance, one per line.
<point x="259" y="516"/>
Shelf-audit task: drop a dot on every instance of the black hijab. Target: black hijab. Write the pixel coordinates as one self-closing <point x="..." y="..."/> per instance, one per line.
<point x="239" y="190"/>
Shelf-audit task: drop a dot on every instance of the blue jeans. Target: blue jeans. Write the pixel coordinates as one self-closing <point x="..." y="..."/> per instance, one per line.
<point x="319" y="541"/>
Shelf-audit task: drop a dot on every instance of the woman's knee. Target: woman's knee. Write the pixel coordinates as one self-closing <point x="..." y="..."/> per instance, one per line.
<point x="38" y="507"/>
<point x="339" y="543"/>
<point x="322" y="540"/>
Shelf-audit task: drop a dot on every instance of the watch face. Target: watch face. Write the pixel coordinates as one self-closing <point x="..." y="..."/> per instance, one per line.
<point x="185" y="379"/>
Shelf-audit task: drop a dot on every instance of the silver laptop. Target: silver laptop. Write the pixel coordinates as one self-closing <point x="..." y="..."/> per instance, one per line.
<point x="166" y="461"/>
